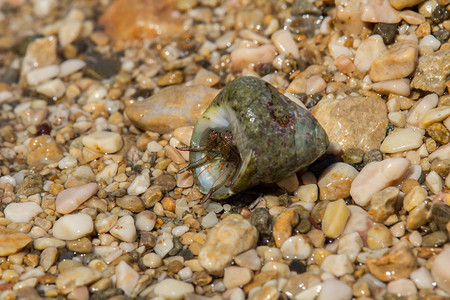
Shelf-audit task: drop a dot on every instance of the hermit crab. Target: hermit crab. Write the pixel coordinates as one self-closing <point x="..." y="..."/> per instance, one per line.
<point x="251" y="134"/>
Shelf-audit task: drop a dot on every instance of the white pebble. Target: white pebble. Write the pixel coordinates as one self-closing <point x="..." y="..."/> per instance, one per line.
<point x="152" y="260"/>
<point x="285" y="44"/>
<point x="70" y="199"/>
<point x="154" y="146"/>
<point x="139" y="185"/>
<point x="296" y="247"/>
<point x="430" y="41"/>
<point x="395" y="86"/>
<point x="172" y="289"/>
<point x="22" y="212"/>
<point x="422" y="278"/>
<point x="180" y="207"/>
<point x="435" y="115"/>
<point x="376" y="176"/>
<point x="307" y="192"/>
<point x="443" y="152"/>
<point x="124" y="229"/>
<point x="70" y="66"/>
<point x="180" y="230"/>
<point x="209" y="220"/>
<point x="103" y="141"/>
<point x="420" y="109"/>
<point x="369" y="50"/>
<point x="236" y="276"/>
<point x="145" y="220"/>
<point x="185" y="273"/>
<point x="126" y="277"/>
<point x="72" y="227"/>
<point x="402" y="287"/>
<point x="164" y="243"/>
<point x="43" y="74"/>
<point x="67" y="162"/>
<point x="108" y="172"/>
<point x="350" y="244"/>
<point x="68" y="31"/>
<point x="441" y="270"/>
<point x="42" y="8"/>
<point x="53" y="89"/>
<point x="337" y="264"/>
<point x="434" y="182"/>
<point x="401" y="139"/>
<point x="315" y="84"/>
<point x="333" y="287"/>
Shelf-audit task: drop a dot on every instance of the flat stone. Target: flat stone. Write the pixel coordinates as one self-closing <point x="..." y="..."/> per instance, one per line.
<point x="353" y="122"/>
<point x="335" y="218"/>
<point x="72" y="227"/>
<point x="22" y="212"/>
<point x="402" y="139"/>
<point x="125" y="21"/>
<point x="401" y="4"/>
<point x="70" y="199"/>
<point x="103" y="141"/>
<point x="171" y="107"/>
<point x="12" y="242"/>
<point x="172" y="289"/>
<point x="72" y="278"/>
<point x="398" y="62"/>
<point x="337" y="264"/>
<point x="231" y="236"/>
<point x="236" y="276"/>
<point x="432" y="72"/>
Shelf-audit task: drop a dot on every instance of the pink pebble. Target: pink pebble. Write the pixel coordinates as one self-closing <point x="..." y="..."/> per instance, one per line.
<point x="70" y="199"/>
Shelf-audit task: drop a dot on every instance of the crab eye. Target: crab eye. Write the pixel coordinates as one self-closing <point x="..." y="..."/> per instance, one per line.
<point x="213" y="135"/>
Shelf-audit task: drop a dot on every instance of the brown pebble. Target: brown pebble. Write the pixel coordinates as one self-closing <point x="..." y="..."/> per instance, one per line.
<point x="147" y="239"/>
<point x="408" y="185"/>
<point x="439" y="133"/>
<point x="31" y="260"/>
<point x="82" y="245"/>
<point x="441" y="166"/>
<point x="171" y="78"/>
<point x="130" y="202"/>
<point x="175" y="266"/>
<point x="201" y="278"/>
<point x="282" y="228"/>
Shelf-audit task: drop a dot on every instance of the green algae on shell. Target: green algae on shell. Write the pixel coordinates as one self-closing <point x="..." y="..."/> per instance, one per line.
<point x="270" y="137"/>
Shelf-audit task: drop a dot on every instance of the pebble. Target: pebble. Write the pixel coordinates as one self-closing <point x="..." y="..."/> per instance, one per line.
<point x="307" y="192"/>
<point x="379" y="12"/>
<point x="70" y="199"/>
<point x="124" y="229"/>
<point x="72" y="227"/>
<point x="22" y="212"/>
<point x="421" y="108"/>
<point x="171" y="107"/>
<point x="152" y="260"/>
<point x="231" y="236"/>
<point x="82" y="245"/>
<point x="401" y="4"/>
<point x="285" y="44"/>
<point x="422" y="278"/>
<point x="43" y="151"/>
<point x="241" y="58"/>
<point x="40" y="75"/>
<point x="249" y="259"/>
<point x="12" y="242"/>
<point x="412" y="17"/>
<point x="209" y="220"/>
<point x="236" y="276"/>
<point x="397" y="62"/>
<point x="139" y="185"/>
<point x="439" y="133"/>
<point x="126" y="277"/>
<point x="262" y="220"/>
<point x="45" y="242"/>
<point x="376" y="176"/>
<point x="145" y="220"/>
<point x="435" y="239"/>
<point x="103" y="223"/>
<point x="53" y="89"/>
<point x="379" y="237"/>
<point x="432" y="72"/>
<point x="70" y="66"/>
<point x="434" y="182"/>
<point x="417" y="217"/>
<point x="443" y="152"/>
<point x="350" y="244"/>
<point x="402" y="287"/>
<point x="164" y="243"/>
<point x="440" y="214"/>
<point x="416" y="196"/>
<point x="335" y="181"/>
<point x="401" y="139"/>
<point x="386" y="31"/>
<point x="206" y="77"/>
<point x="72" y="278"/>
<point x="282" y="227"/>
<point x="103" y="141"/>
<point x="369" y="50"/>
<point x="172" y="289"/>
<point x="440" y="270"/>
<point x="397" y="264"/>
<point x="382" y="204"/>
<point x="347" y="124"/>
<point x="335" y="218"/>
<point x="333" y="287"/>
<point x="337" y="264"/>
<point x="435" y="115"/>
<point x="395" y="86"/>
<point x="296" y="247"/>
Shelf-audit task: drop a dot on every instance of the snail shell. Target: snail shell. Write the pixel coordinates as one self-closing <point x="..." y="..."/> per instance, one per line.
<point x="271" y="138"/>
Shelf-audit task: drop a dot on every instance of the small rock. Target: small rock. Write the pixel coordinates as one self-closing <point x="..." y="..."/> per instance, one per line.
<point x="333" y="287"/>
<point x="398" y="62"/>
<point x="401" y="4"/>
<point x="83" y="245"/>
<point x="386" y="31"/>
<point x="172" y="289"/>
<point x="243" y="57"/>
<point x="70" y="66"/>
<point x="100" y="67"/>
<point x="40" y="75"/>
<point x="285" y="44"/>
<point x="439" y="133"/>
<point x="379" y="11"/>
<point x="401" y="139"/>
<point x="164" y="244"/>
<point x="130" y="202"/>
<point x="347" y="123"/>
<point x="209" y="220"/>
<point x="441" y="270"/>
<point x="266" y="292"/>
<point x="12" y="242"/>
<point x="70" y="199"/>
<point x="72" y="227"/>
<point x="376" y="176"/>
<point x="335" y="182"/>
<point x="152" y="260"/>
<point x="72" y="278"/>
<point x="40" y="53"/>
<point x="337" y="264"/>
<point x="379" y="237"/>
<point x="22" y="212"/>
<point x="398" y="263"/>
<point x="171" y="78"/>
<point x="205" y="77"/>
<point x="382" y="204"/>
<point x="296" y="247"/>
<point x="145" y="220"/>
<point x="395" y="86"/>
<point x="432" y="72"/>
<point x="300" y="282"/>
<point x="53" y="89"/>
<point x="435" y="239"/>
<point x="249" y="259"/>
<point x="103" y="223"/>
<point x="435" y="115"/>
<point x="335" y="218"/>
<point x="48" y="258"/>
<point x="307" y="193"/>
<point x="236" y="276"/>
<point x="440" y="214"/>
<point x="231" y="236"/>
<point x="103" y="141"/>
<point x="262" y="220"/>
<point x="43" y="151"/>
<point x="421" y="108"/>
<point x="417" y="217"/>
<point x="422" y="278"/>
<point x="402" y="287"/>
<point x="350" y="244"/>
<point x="170" y="108"/>
<point x="282" y="228"/>
<point x="126" y="277"/>
<point x="434" y="182"/>
<point x="124" y="229"/>
<point x="416" y="196"/>
<point x="369" y="50"/>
